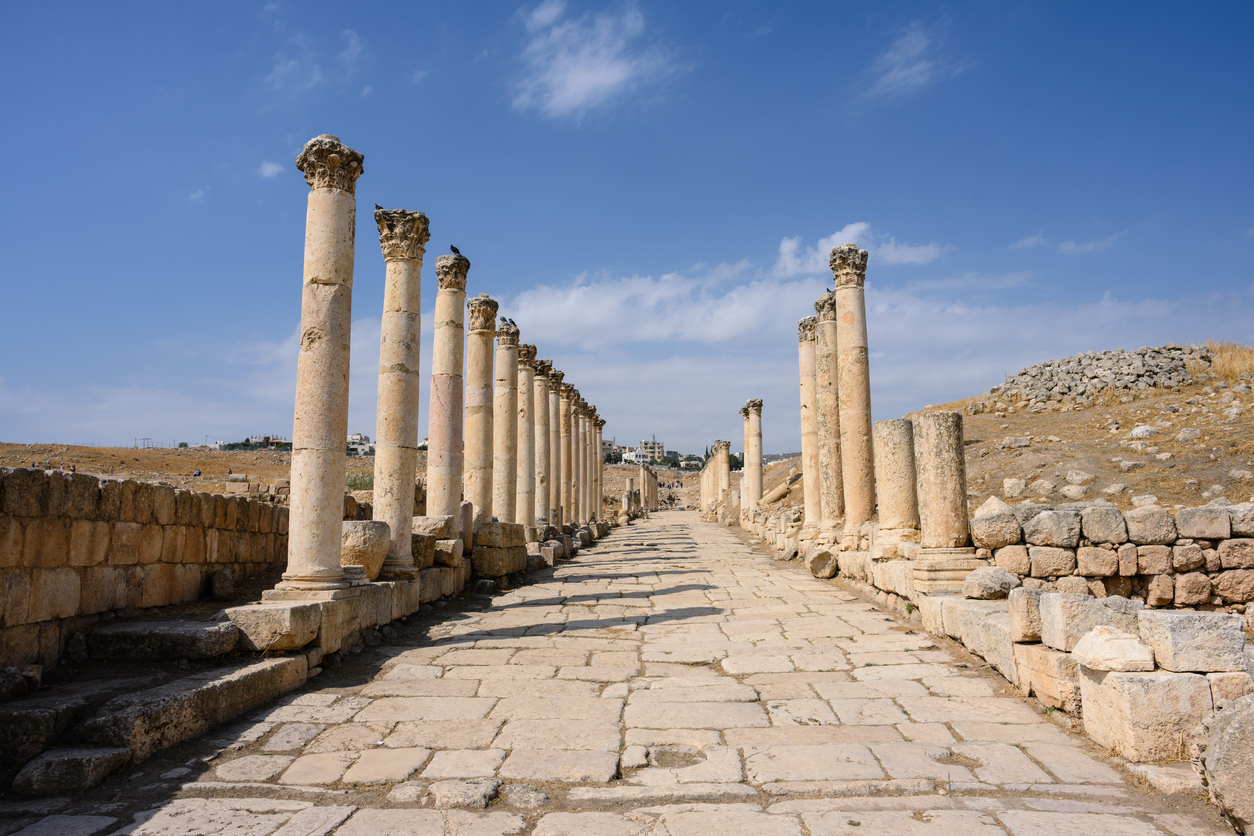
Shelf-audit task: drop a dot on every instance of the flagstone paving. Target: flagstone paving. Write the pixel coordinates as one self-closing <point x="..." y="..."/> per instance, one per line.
<point x="670" y="680"/>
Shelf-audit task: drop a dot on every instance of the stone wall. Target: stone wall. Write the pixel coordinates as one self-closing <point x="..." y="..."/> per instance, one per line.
<point x="73" y="546"/>
<point x="1196" y="557"/>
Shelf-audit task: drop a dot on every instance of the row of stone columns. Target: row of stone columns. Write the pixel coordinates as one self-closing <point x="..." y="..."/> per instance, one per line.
<point x="503" y="447"/>
<point x="751" y="481"/>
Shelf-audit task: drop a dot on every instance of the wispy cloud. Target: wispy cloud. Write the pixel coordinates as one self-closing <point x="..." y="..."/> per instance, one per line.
<point x="367" y="90"/>
<point x="973" y="281"/>
<point x="197" y="197"/>
<point x="576" y="64"/>
<point x="295" y="75"/>
<point x="1078" y="248"/>
<point x="418" y="76"/>
<point x="1037" y="240"/>
<point x="1250" y="232"/>
<point x="354" y="49"/>
<point x="911" y="63"/>
<point x="884" y="249"/>
<point x="270" y="169"/>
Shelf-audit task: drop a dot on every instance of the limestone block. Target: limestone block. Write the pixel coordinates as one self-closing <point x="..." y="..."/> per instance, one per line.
<point x="498" y="562"/>
<point x="1225" y="762"/>
<point x="376" y="603"/>
<point x="1237" y="553"/>
<point x="1194" y="641"/>
<point x="993" y="531"/>
<point x="1192" y="589"/>
<point x="341" y="619"/>
<point x="365" y="543"/>
<point x="277" y="625"/>
<point x="1052" y="675"/>
<point x="1235" y="585"/>
<point x="1106" y="648"/>
<point x="989" y="582"/>
<point x="60" y="771"/>
<point x="1060" y="529"/>
<point x="942" y="571"/>
<point x="1204" y="523"/>
<point x="24" y="492"/>
<point x="1065" y="617"/>
<point x="143" y="641"/>
<point x="984" y="627"/>
<point x="1242" y="517"/>
<point x="1160" y="591"/>
<point x="500" y="535"/>
<point x="422" y="548"/>
<point x="1225" y="687"/>
<point x="1153" y="560"/>
<point x="822" y="562"/>
<point x="1103" y="523"/>
<point x="431" y="584"/>
<point x="46" y="542"/>
<point x="1143" y="716"/>
<point x="440" y="527"/>
<point x="1013" y="559"/>
<point x="1150" y="525"/>
<point x="557" y="548"/>
<point x="1025" y="614"/>
<point x="1051" y="562"/>
<point x="15" y="598"/>
<point x="1186" y="558"/>
<point x="449" y="552"/>
<point x="54" y="593"/>
<point x="1094" y="562"/>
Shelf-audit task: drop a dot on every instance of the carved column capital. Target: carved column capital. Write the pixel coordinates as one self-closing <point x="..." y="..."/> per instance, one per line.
<point x="744" y="413"/>
<point x="451" y="270"/>
<point x="403" y="234"/>
<point x="556" y="377"/>
<point x="805" y="328"/>
<point x="848" y="265"/>
<point x="725" y="446"/>
<point x="754" y="405"/>
<point x="825" y="307"/>
<point x="482" y="312"/>
<point x="328" y="163"/>
<point x="600" y="423"/>
<point x="526" y="355"/>
<point x="565" y="390"/>
<point x="507" y="334"/>
<point x="544" y="369"/>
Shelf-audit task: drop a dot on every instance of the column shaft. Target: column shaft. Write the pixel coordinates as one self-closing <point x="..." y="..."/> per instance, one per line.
<point x="894" y="474"/>
<point x="849" y="266"/>
<point x="942" y="479"/>
<point x="320" y="425"/>
<point x="827" y="398"/>
<point x="505" y="425"/>
<point x="810" y="479"/>
<point x="403" y="236"/>
<point x="555" y="448"/>
<point x="477" y="478"/>
<point x="540" y="396"/>
<point x="565" y="396"/>
<point x="445" y="460"/>
<point x="525" y="499"/>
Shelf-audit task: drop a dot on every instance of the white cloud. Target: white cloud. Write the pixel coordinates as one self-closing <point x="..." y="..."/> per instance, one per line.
<point x="574" y="65"/>
<point x="294" y="75"/>
<point x="197" y="197"/>
<point x="367" y="90"/>
<point x="270" y="169"/>
<point x="973" y="281"/>
<point x="793" y="261"/>
<point x="1250" y="232"/>
<point x="418" y="76"/>
<point x="354" y="49"/>
<point x="1037" y="240"/>
<point x="1076" y="248"/>
<point x="910" y="64"/>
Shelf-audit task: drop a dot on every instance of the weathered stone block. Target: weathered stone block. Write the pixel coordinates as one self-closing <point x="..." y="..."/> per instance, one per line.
<point x="46" y="543"/>
<point x="163" y="505"/>
<point x="1107" y="648"/>
<point x="1153" y="560"/>
<point x="54" y="593"/>
<point x="1229" y="750"/>
<point x="1052" y="675"/>
<point x="1237" y="553"/>
<point x="158" y="585"/>
<point x="82" y="496"/>
<point x="1103" y="523"/>
<point x="1242" y="517"/>
<point x="431" y="582"/>
<point x="440" y="527"/>
<point x="69" y="770"/>
<point x="1150" y="525"/>
<point x="1025" y="614"/>
<point x="1092" y="562"/>
<point x="1186" y="558"/>
<point x="1051" y="562"/>
<point x="449" y="552"/>
<point x="89" y="543"/>
<point x="1145" y="717"/>
<point x="822" y="562"/>
<point x="278" y="625"/>
<point x="154" y="641"/>
<point x="1225" y="687"/>
<point x="989" y="582"/>
<point x="498" y="562"/>
<point x="1192" y="589"/>
<point x="1128" y="557"/>
<point x="1235" y="585"/>
<point x="1160" y="591"/>
<point x="14" y="598"/>
<point x="1065" y="618"/>
<point x="1194" y="641"/>
<point x="25" y="492"/>
<point x="993" y="531"/>
<point x="1060" y="529"/>
<point x="1204" y="523"/>
<point x="365" y="543"/>
<point x="422" y="547"/>
<point x="502" y="535"/>
<point x="1013" y="559"/>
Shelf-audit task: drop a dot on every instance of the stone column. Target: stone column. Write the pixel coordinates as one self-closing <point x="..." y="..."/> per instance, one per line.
<point x="575" y="455"/>
<point x="566" y="396"/>
<point x="444" y="430"/>
<point x="555" y="448"/>
<point x="722" y="450"/>
<point x="525" y="495"/>
<point x="505" y="424"/>
<point x="477" y="479"/>
<point x="403" y="236"/>
<point x="599" y="498"/>
<point x="945" y="558"/>
<point x="627" y="496"/>
<point x="810" y="481"/>
<point x="827" y="399"/>
<point x="585" y="463"/>
<point x="848" y="265"/>
<point x="894" y="487"/>
<point x="753" y="454"/>
<point x="579" y="442"/>
<point x="320" y="426"/>
<point x="540" y="397"/>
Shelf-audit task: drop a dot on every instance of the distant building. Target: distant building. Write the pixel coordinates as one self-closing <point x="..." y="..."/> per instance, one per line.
<point x="359" y="445"/>
<point x="672" y="454"/>
<point x="655" y="449"/>
<point x="639" y="456"/>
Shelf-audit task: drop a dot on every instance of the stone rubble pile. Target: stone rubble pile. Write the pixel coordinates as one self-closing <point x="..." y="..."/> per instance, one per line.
<point x="1080" y="378"/>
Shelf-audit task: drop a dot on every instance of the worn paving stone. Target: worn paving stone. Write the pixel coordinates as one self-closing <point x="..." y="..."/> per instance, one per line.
<point x="252" y="768"/>
<point x="902" y="823"/>
<point x="441" y="734"/>
<point x="823" y="762"/>
<point x="385" y="766"/>
<point x="464" y="763"/>
<point x="569" y="766"/>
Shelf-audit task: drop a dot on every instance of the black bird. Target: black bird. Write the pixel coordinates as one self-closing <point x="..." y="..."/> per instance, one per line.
<point x="378" y="208"/>
<point x="503" y="319"/>
<point x="455" y="250"/>
<point x="511" y="322"/>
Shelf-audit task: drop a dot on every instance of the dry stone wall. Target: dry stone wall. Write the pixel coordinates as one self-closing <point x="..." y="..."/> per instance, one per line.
<point x="73" y="546"/>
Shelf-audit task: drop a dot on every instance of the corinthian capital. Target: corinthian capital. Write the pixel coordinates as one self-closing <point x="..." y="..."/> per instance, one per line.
<point x="600" y="423"/>
<point x="482" y="312"/>
<point x="825" y="307"/>
<point x="544" y="369"/>
<point x="507" y="334"/>
<point x="805" y="328"/>
<point x="526" y="355"/>
<point x="848" y="265"/>
<point x="328" y="163"/>
<point x="451" y="270"/>
<point x="402" y="234"/>
<point x="722" y="445"/>
<point x="555" y="376"/>
<point x="754" y="405"/>
<point x="565" y="391"/>
<point x="744" y="413"/>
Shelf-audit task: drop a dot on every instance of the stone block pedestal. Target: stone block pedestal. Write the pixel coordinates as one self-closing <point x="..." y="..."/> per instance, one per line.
<point x="942" y="571"/>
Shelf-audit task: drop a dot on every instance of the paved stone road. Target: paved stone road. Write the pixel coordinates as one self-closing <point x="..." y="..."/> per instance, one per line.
<point x="670" y="680"/>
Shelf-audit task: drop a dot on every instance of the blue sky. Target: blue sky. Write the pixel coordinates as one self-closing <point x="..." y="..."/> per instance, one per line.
<point x="649" y="189"/>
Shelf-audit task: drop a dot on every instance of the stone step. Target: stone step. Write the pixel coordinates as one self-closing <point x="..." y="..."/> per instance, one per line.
<point x="148" y="721"/>
<point x="158" y="641"/>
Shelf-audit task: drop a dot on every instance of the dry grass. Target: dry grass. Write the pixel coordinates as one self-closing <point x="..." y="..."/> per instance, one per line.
<point x="1230" y="360"/>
